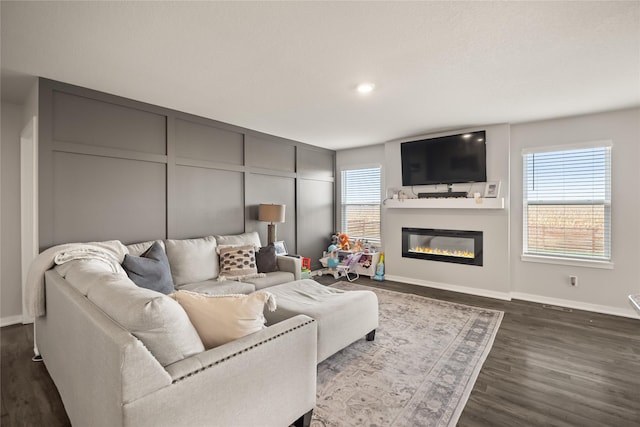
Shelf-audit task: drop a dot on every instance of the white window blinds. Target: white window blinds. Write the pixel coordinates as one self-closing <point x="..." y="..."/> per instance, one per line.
<point x="567" y="202"/>
<point x="361" y="204"/>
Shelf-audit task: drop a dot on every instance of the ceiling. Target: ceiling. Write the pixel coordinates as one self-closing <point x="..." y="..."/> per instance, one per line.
<point x="290" y="68"/>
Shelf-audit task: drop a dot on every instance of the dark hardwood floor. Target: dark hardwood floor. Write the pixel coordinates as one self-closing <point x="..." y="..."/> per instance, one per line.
<point x="546" y="368"/>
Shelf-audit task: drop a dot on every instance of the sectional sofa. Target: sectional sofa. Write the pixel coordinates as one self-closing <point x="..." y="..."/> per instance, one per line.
<point x="124" y="355"/>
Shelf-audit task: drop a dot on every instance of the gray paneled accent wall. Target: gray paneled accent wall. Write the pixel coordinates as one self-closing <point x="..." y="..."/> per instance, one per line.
<point x="318" y="165"/>
<point x="207" y="201"/>
<point x="280" y="190"/>
<point x="316" y="195"/>
<point x="113" y="168"/>
<point x="204" y="141"/>
<point x="93" y="122"/>
<point x="100" y="197"/>
<point x="270" y="154"/>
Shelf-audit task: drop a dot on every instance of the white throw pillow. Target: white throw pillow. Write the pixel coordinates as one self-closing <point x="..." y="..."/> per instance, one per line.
<point x="192" y="260"/>
<point x="83" y="274"/>
<point x="155" y="319"/>
<point x="219" y="319"/>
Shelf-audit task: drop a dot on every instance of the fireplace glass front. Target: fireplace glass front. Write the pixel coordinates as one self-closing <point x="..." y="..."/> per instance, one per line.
<point x="457" y="246"/>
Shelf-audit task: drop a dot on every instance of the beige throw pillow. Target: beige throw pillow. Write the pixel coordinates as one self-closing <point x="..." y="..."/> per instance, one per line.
<point x="219" y="319"/>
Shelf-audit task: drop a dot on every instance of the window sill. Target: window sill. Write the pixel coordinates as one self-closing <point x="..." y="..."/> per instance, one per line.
<point x="568" y="261"/>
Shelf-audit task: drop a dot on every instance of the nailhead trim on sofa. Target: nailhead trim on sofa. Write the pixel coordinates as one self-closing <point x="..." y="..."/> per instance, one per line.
<point x="242" y="351"/>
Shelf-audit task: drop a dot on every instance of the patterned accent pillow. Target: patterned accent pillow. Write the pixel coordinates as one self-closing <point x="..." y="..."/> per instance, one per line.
<point x="238" y="262"/>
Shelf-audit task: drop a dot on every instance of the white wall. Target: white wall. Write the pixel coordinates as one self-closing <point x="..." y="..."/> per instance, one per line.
<point x="360" y="157"/>
<point x="506" y="275"/>
<point x="491" y="279"/>
<point x="10" y="275"/>
<point x="598" y="289"/>
<point x="356" y="158"/>
<point x="14" y="119"/>
<point x="31" y="104"/>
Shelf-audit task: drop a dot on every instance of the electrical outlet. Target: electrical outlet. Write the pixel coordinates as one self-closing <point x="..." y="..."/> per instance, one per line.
<point x="573" y="280"/>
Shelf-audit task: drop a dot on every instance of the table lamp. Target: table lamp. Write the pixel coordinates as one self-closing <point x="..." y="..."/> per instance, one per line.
<point x="271" y="214"/>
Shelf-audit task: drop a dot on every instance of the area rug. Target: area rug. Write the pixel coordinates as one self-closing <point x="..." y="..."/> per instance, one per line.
<point x="419" y="371"/>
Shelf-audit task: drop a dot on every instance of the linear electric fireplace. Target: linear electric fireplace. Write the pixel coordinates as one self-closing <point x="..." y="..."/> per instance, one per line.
<point x="460" y="247"/>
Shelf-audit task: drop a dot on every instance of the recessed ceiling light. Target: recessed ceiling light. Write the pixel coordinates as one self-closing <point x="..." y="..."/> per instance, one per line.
<point x="467" y="135"/>
<point x="365" y="87"/>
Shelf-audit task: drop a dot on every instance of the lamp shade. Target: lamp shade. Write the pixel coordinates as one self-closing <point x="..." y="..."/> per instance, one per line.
<point x="271" y="213"/>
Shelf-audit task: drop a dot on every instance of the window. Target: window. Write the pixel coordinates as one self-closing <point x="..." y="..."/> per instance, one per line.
<point x="361" y="204"/>
<point x="567" y="202"/>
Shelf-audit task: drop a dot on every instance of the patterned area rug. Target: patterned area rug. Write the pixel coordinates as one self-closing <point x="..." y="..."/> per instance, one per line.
<point x="419" y="371"/>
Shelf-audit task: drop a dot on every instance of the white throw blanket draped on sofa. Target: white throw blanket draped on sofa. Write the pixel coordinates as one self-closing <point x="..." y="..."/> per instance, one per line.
<point x="111" y="253"/>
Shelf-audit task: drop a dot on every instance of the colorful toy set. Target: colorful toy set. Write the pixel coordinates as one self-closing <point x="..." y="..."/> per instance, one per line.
<point x="344" y="243"/>
<point x="379" y="276"/>
<point x="347" y="258"/>
<point x="306" y="268"/>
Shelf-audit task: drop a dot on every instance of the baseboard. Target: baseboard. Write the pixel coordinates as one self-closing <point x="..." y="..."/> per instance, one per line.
<point x="506" y="296"/>
<point x="10" y="320"/>
<point x="577" y="305"/>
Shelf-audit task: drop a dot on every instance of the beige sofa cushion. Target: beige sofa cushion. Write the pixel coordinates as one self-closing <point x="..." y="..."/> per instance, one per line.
<point x="155" y="319"/>
<point x="219" y="287"/>
<point x="192" y="260"/>
<point x="220" y="319"/>
<point x="270" y="279"/>
<point x="137" y="249"/>
<point x="250" y="238"/>
<point x="83" y="274"/>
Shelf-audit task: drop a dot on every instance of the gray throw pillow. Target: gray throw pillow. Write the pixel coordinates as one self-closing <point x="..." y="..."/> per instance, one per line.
<point x="266" y="259"/>
<point x="150" y="270"/>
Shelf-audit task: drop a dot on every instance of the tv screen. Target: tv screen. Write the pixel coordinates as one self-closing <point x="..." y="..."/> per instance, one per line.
<point x="445" y="160"/>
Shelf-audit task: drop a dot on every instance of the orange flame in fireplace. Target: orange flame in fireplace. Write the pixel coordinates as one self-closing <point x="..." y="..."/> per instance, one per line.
<point x="445" y="252"/>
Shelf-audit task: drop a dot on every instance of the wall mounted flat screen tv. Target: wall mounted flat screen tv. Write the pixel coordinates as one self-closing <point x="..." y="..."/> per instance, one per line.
<point x="445" y="160"/>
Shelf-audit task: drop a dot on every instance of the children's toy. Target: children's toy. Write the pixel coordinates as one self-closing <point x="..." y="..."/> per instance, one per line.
<point x="305" y="270"/>
<point x="365" y="260"/>
<point x="343" y="239"/>
<point x="379" y="276"/>
<point x="358" y="246"/>
<point x="349" y="266"/>
<point x="332" y="259"/>
<point x="340" y="269"/>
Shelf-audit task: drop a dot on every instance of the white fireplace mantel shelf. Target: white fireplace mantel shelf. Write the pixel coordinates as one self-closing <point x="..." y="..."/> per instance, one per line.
<point x="446" y="203"/>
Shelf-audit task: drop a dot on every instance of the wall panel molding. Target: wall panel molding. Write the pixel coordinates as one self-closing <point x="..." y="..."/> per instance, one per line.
<point x="202" y="141"/>
<point x="266" y="153"/>
<point x="94" y="122"/>
<point x="206" y="164"/>
<point x="271" y="172"/>
<point x="92" y="150"/>
<point x="151" y="172"/>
